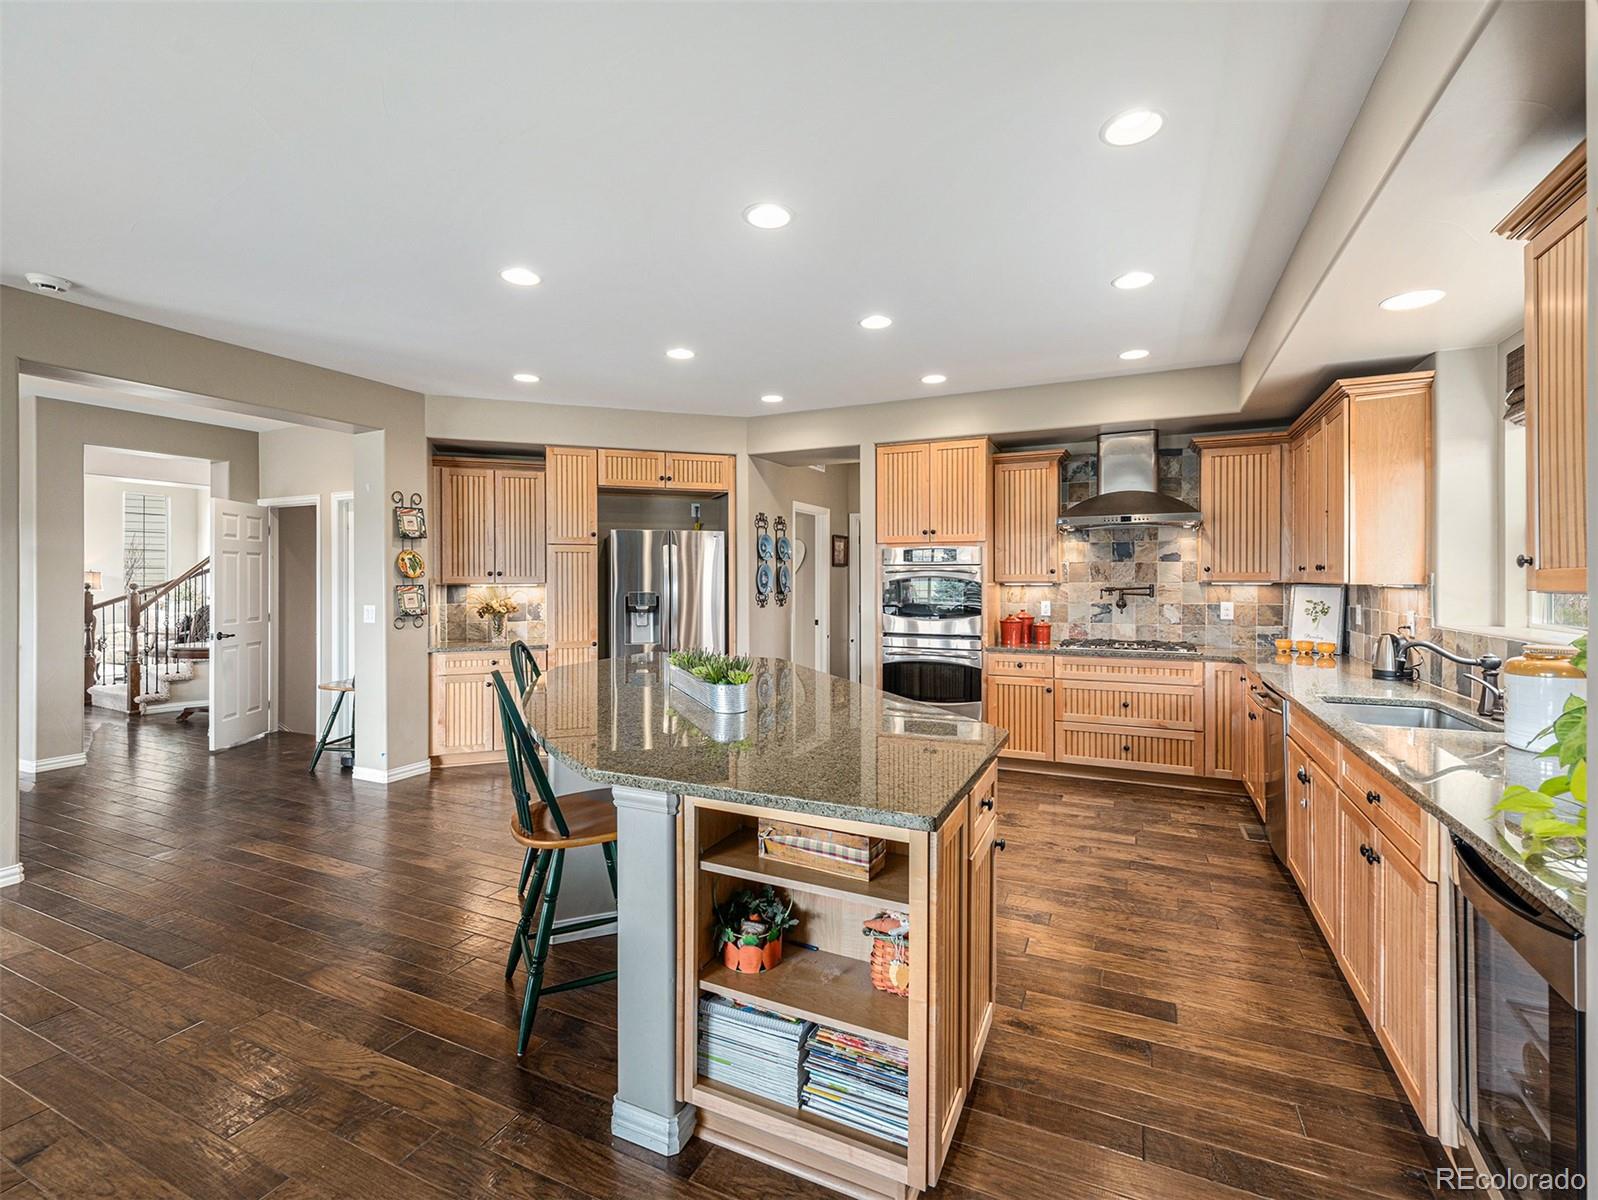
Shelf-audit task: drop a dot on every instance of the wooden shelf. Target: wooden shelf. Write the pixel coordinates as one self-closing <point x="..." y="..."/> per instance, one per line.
<point x="738" y="855"/>
<point x="817" y="986"/>
<point x="810" y="1127"/>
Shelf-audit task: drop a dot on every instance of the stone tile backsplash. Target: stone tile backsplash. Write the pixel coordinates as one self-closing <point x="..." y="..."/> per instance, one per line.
<point x="1383" y="610"/>
<point x="457" y="624"/>
<point x="1162" y="556"/>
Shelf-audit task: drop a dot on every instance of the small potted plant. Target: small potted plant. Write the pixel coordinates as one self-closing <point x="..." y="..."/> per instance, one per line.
<point x="716" y="681"/>
<point x="749" y="928"/>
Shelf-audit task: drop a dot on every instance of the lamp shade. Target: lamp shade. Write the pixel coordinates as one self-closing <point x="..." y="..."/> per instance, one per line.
<point x="92" y="581"/>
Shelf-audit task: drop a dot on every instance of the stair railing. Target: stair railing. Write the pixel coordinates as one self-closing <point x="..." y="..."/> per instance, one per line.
<point x="136" y="636"/>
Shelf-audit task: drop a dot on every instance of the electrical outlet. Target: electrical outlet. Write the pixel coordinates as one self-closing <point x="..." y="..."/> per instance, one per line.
<point x="1045" y="607"/>
<point x="1356" y="616"/>
<point x="1409" y="619"/>
<point x="1226" y="610"/>
<point x="369" y="613"/>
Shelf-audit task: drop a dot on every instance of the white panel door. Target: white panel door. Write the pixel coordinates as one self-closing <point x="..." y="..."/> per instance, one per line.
<point x="238" y="623"/>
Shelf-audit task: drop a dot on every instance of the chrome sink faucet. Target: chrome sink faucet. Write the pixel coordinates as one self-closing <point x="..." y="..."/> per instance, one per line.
<point x="1490" y="703"/>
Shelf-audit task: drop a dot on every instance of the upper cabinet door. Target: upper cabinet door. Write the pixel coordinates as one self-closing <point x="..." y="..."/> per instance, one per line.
<point x="572" y="603"/>
<point x="1556" y="412"/>
<point x="1332" y="560"/>
<point x="1298" y="550"/>
<point x="466" y="530"/>
<point x="1240" y="490"/>
<point x="1315" y="497"/>
<point x="572" y="495"/>
<point x="1026" y="504"/>
<point x="632" y="469"/>
<point x="699" y="472"/>
<point x="903" y="514"/>
<point x="957" y="509"/>
<point x="519" y="526"/>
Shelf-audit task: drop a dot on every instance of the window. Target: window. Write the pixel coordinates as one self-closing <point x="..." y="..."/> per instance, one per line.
<point x="1560" y="610"/>
<point x="146" y="531"/>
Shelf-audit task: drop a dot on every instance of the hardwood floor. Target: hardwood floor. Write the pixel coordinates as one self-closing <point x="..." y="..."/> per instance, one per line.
<point x="223" y="978"/>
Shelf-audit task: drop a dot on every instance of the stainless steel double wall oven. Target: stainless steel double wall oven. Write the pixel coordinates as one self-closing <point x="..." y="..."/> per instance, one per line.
<point x="932" y="625"/>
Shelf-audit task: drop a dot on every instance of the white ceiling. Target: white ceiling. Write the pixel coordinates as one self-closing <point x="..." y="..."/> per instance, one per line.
<point x="342" y="183"/>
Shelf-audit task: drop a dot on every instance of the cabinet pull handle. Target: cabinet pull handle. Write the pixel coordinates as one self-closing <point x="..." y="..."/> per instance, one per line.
<point x="1253" y="716"/>
<point x="924" y="532"/>
<point x="932" y="532"/>
<point x="1320" y="566"/>
<point x="1373" y="797"/>
<point x="1365" y="852"/>
<point x="1048" y="691"/>
<point x="1375" y="859"/>
<point x="1301" y="567"/>
<point x="998" y="843"/>
<point x="1206" y="570"/>
<point x="1051" y="570"/>
<point x="668" y="479"/>
<point x="1524" y="560"/>
<point x="1126" y="749"/>
<point x="986" y="802"/>
<point x="1126" y="704"/>
<point x="1303" y="775"/>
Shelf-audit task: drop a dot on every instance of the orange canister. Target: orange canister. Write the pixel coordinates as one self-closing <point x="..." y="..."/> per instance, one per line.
<point x="1040" y="632"/>
<point x="1010" y="631"/>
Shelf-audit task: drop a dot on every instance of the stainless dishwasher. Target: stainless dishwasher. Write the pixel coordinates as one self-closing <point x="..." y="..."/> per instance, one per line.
<point x="1273" y="714"/>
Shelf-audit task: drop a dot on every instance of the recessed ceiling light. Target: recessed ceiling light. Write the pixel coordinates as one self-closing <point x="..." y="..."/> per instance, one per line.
<point x="520" y="276"/>
<point x="767" y="216"/>
<point x="680" y="353"/>
<point x="934" y="379"/>
<point x="1132" y="280"/>
<point x="1134" y="355"/>
<point x="771" y="398"/>
<point x="1131" y="127"/>
<point x="1405" y="301"/>
<point x="876" y="321"/>
<point x="524" y="377"/>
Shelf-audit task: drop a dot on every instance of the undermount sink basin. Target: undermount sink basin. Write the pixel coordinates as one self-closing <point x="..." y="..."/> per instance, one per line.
<point x="1407" y="715"/>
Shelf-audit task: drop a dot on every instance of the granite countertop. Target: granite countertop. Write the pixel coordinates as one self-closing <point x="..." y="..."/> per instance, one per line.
<point x="1202" y="654"/>
<point x="473" y="647"/>
<point x="810" y="743"/>
<point x="1456" y="775"/>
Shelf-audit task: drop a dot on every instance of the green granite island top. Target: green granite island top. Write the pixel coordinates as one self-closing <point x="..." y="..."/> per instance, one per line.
<point x="810" y="743"/>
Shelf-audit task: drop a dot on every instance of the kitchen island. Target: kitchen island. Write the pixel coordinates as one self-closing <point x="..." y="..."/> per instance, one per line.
<point x="692" y="790"/>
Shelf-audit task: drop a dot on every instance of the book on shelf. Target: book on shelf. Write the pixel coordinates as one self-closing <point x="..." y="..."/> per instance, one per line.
<point x="859" y="1082"/>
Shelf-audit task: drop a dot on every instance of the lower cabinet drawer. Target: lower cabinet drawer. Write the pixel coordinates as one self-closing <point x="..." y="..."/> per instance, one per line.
<point x="1399" y="817"/>
<point x="1020" y="664"/>
<point x="1173" y="751"/>
<point x="1151" y="706"/>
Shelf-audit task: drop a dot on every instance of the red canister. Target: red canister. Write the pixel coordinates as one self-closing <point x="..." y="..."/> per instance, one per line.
<point x="1040" y="633"/>
<point x="1010" y="631"/>
<point x="1026" y="628"/>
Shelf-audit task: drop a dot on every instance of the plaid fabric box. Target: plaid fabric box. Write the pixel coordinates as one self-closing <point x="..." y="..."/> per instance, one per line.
<point x="851" y="854"/>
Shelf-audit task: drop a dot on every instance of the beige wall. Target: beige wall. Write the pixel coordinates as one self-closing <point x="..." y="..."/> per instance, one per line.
<point x="294" y="612"/>
<point x="41" y="331"/>
<point x="52" y="547"/>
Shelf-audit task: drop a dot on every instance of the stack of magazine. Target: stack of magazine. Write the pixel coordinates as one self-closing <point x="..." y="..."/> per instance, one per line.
<point x="752" y="1049"/>
<point x="859" y="1082"/>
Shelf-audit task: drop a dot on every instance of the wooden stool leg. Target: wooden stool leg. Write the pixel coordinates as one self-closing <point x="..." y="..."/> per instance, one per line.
<point x="610" y="864"/>
<point x="321" y="742"/>
<point x="535" y="965"/>
<point x="527" y="869"/>
<point x="529" y="904"/>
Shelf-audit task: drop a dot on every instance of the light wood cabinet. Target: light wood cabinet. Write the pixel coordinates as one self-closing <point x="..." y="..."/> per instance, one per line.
<point x="1405" y="1013"/>
<point x="1298" y="814"/>
<point x="1358" y="914"/>
<point x="664" y="470"/>
<point x="982" y="956"/>
<point x="572" y="495"/>
<point x="632" y="468"/>
<point x="572" y="604"/>
<point x="1240" y="495"/>
<point x="1324" y="851"/>
<point x="933" y="492"/>
<point x="1253" y="756"/>
<point x="1024" y="705"/>
<point x="699" y="472"/>
<point x="1360" y="458"/>
<point x="1026" y="505"/>
<point x="491" y="524"/>
<point x="1552" y="221"/>
<point x="465" y="713"/>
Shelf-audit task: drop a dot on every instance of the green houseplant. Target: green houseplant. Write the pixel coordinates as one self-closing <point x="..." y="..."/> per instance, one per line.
<point x="715" y="669"/>
<point x="749" y="928"/>
<point x="1553" y="817"/>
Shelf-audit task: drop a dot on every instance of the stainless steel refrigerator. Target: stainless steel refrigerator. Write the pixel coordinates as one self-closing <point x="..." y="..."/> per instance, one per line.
<point x="664" y="589"/>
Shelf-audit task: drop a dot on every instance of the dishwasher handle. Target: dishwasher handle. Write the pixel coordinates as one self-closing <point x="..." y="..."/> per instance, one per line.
<point x="1552" y="947"/>
<point x="1265" y="701"/>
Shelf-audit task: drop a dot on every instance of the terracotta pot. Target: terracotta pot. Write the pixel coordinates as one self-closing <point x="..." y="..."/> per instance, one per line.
<point x="1010" y="631"/>
<point x="751" y="960"/>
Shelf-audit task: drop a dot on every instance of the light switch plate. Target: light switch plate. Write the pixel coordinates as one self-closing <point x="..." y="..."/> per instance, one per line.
<point x="369" y="613"/>
<point x="1226" y="610"/>
<point x="1045" y="607"/>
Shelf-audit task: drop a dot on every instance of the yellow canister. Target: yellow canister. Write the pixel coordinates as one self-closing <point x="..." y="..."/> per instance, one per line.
<point x="1536" y="686"/>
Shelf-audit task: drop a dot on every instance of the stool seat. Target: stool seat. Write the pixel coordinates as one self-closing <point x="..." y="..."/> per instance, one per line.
<point x="337" y="685"/>
<point x="343" y="746"/>
<point x="590" y="816"/>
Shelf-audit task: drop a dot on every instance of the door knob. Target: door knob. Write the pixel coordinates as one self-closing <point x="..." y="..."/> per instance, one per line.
<point x="986" y="802"/>
<point x="220" y="636"/>
<point x="1303" y="775"/>
<point x="998" y="843"/>
<point x="1524" y="560"/>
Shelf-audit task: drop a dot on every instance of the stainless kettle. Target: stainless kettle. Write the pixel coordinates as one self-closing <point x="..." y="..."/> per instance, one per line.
<point x="1385" y="663"/>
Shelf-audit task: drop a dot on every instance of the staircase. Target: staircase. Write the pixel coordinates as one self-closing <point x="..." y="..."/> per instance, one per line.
<point x="148" y="650"/>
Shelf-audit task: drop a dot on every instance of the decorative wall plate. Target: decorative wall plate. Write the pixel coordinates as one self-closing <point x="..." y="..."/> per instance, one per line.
<point x="409" y="564"/>
<point x="784" y="549"/>
<point x="763" y="546"/>
<point x="763" y="581"/>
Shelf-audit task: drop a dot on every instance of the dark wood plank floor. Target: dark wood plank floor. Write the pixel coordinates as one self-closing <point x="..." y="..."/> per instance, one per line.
<point x="222" y="978"/>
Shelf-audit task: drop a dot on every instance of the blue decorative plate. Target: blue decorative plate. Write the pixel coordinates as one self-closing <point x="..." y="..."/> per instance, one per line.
<point x="763" y="546"/>
<point x="763" y="579"/>
<point x="784" y="579"/>
<point x="784" y="549"/>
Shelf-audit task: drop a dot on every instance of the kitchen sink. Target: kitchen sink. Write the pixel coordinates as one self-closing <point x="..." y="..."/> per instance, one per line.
<point x="1409" y="715"/>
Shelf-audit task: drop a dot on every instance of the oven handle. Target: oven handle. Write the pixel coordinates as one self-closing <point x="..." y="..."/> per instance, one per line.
<point x="938" y="656"/>
<point x="1551" y="946"/>
<point x="964" y="575"/>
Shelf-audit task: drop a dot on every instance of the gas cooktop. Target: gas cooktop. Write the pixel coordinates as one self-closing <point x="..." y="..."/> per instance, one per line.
<point x="1147" y="645"/>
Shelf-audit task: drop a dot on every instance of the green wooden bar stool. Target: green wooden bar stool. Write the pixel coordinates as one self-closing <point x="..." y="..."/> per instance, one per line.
<point x="344" y="745"/>
<point x="549" y="828"/>
<point x="525" y="666"/>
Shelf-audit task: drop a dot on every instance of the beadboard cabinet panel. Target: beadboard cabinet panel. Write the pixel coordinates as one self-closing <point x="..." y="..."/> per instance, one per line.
<point x="519" y="527"/>
<point x="466" y="541"/>
<point x="1240" y="495"/>
<point x="572" y="495"/>
<point x="632" y="468"/>
<point x="903" y="500"/>
<point x="1024" y="705"/>
<point x="959" y="490"/>
<point x="1026" y="505"/>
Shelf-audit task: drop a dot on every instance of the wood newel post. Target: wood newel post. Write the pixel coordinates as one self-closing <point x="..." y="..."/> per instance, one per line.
<point x="135" y="640"/>
<point x="88" y="644"/>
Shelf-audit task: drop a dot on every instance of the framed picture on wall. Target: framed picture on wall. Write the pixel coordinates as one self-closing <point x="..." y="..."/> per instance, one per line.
<point x="840" y="550"/>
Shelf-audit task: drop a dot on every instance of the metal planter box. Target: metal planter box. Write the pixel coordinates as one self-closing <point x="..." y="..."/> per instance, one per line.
<point x="717" y="697"/>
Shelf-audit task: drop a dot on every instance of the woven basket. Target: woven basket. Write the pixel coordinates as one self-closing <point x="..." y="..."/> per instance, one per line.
<point x="890" y="952"/>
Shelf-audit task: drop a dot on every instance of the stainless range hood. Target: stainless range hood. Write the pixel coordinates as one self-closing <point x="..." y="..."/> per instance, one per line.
<point x="1129" y="488"/>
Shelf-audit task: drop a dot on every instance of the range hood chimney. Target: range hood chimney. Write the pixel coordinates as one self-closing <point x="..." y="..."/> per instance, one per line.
<point x="1129" y="488"/>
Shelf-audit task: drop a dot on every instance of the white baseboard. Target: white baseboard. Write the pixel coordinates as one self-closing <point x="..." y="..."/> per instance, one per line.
<point x="653" y="1131"/>
<point x="172" y="706"/>
<point x="11" y="875"/>
<point x="378" y="775"/>
<point x="598" y="931"/>
<point x="31" y="766"/>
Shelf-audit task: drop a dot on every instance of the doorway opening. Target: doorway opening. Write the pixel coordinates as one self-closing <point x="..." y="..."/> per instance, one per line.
<point x="295" y="630"/>
<point x="811" y="633"/>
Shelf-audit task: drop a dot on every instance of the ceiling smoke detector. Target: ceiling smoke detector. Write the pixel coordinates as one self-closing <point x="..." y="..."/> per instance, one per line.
<point x="53" y="284"/>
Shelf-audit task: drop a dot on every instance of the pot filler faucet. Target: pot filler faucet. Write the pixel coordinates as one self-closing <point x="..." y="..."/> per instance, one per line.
<point x="1121" y="593"/>
<point x="1491" y="701"/>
